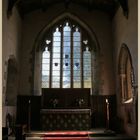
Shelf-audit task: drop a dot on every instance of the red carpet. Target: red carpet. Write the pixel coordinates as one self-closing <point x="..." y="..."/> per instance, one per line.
<point x="66" y="138"/>
<point x="67" y="135"/>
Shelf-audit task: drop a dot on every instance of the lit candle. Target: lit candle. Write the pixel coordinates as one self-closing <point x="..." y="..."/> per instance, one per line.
<point x="106" y="100"/>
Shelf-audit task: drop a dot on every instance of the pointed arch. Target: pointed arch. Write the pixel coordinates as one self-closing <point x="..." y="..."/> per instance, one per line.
<point x="57" y="19"/>
<point x="126" y="73"/>
<point x="38" y="47"/>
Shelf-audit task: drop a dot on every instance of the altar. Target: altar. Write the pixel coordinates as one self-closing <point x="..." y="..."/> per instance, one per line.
<point x="65" y="109"/>
<point x="65" y="119"/>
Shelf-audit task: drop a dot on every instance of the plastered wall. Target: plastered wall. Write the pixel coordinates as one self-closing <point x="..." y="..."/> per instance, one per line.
<point x="126" y="31"/>
<point x="11" y="41"/>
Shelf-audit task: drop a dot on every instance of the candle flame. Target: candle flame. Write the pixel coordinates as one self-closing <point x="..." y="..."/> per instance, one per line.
<point x="106" y="100"/>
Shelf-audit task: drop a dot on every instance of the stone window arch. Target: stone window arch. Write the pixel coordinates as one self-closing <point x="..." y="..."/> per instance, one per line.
<point x="126" y="74"/>
<point x="45" y="38"/>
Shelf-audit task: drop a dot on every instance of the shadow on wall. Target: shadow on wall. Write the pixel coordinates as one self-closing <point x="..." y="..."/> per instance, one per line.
<point x="11" y="86"/>
<point x="9" y="113"/>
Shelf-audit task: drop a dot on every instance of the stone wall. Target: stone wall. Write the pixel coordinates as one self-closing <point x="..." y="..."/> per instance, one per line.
<point x="126" y="31"/>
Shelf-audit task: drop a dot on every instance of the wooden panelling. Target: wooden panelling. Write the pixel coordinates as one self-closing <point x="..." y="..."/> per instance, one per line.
<point x="96" y="103"/>
<point x="26" y="110"/>
<point x="99" y="110"/>
<point x="67" y="98"/>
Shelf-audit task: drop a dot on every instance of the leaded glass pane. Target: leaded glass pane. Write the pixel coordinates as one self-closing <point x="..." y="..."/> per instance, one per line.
<point x="46" y="53"/>
<point x="67" y="28"/>
<point x="45" y="79"/>
<point x="87" y="84"/>
<point x="57" y="38"/>
<point x="66" y="57"/>
<point x="67" y="38"/>
<point x="56" y="64"/>
<point x="67" y="33"/>
<point x="45" y="84"/>
<point x="56" y="55"/>
<point x="66" y="73"/>
<point x="56" y="73"/>
<point x="76" y="63"/>
<point x="76" y="43"/>
<point x="66" y="64"/>
<point x="77" y="57"/>
<point x="87" y="73"/>
<point x="45" y="61"/>
<point x="57" y="33"/>
<point x="66" y="50"/>
<point x="56" y="50"/>
<point x="66" y="43"/>
<point x="55" y="83"/>
<point x="76" y="74"/>
<point x="70" y="61"/>
<point x="45" y="72"/>
<point x="58" y="43"/>
<point x="76" y="38"/>
<point x="66" y="82"/>
<point x="76" y="34"/>
<point x="77" y="84"/>
<point x="45" y="67"/>
<point x="66" y="79"/>
<point x="77" y="49"/>
<point x="87" y="68"/>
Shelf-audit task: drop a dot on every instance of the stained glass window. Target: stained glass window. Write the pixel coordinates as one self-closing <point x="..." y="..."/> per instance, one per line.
<point x="45" y="68"/>
<point x="67" y="64"/>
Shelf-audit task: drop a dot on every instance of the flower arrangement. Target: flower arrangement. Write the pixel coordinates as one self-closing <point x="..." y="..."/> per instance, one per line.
<point x="80" y="102"/>
<point x="54" y="102"/>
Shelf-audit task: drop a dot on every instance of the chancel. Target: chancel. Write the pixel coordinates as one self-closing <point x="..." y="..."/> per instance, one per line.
<point x="69" y="69"/>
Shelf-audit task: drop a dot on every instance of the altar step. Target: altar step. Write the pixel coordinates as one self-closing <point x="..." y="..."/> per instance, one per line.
<point x="77" y="135"/>
<point x="99" y="134"/>
<point x="90" y="138"/>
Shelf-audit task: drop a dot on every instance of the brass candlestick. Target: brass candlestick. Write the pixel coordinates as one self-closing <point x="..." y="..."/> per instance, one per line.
<point x="107" y="113"/>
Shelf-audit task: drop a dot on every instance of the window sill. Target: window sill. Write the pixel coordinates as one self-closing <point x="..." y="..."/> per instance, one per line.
<point x="128" y="101"/>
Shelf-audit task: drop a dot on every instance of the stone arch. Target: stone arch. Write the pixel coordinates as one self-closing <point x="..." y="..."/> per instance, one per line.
<point x="11" y="82"/>
<point x="37" y="50"/>
<point x="60" y="17"/>
<point x="126" y="73"/>
<point x="123" y="57"/>
<point x="127" y="85"/>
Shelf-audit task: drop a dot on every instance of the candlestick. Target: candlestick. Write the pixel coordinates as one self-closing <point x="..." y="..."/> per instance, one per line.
<point x="107" y="113"/>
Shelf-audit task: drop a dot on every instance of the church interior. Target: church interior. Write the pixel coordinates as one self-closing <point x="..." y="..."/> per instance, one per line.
<point x="69" y="69"/>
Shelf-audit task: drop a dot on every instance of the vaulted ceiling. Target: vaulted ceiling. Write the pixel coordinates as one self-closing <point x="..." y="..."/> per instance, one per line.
<point x="108" y="6"/>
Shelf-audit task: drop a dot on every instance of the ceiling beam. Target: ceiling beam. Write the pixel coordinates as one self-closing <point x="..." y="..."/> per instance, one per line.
<point x="124" y="5"/>
<point x="67" y="2"/>
<point x="44" y="5"/>
<point x="90" y="2"/>
<point x="11" y="4"/>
